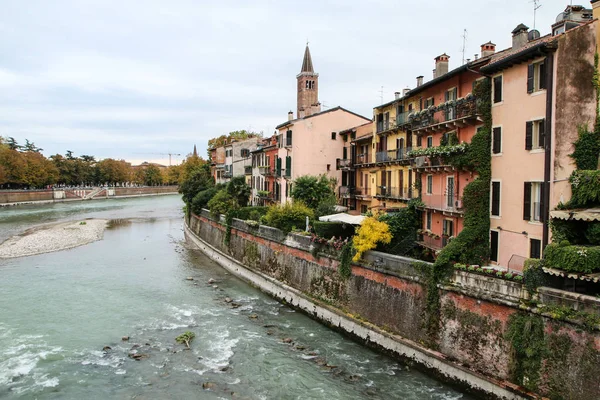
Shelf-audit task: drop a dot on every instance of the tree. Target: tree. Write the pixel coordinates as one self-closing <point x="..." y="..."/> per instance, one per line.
<point x="221" y="203"/>
<point x="369" y="234"/>
<point x="12" y="143"/>
<point x="38" y="171"/>
<point x="239" y="190"/>
<point x="31" y="147"/>
<point x="152" y="175"/>
<point x="314" y="190"/>
<point x="199" y="179"/>
<point x="113" y="171"/>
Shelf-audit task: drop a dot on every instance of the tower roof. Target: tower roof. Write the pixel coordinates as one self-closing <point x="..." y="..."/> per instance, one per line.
<point x="307" y="65"/>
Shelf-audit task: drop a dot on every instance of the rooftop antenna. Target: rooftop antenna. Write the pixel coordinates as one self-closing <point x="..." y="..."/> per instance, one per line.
<point x="464" y="36"/>
<point x="381" y="94"/>
<point x="536" y="6"/>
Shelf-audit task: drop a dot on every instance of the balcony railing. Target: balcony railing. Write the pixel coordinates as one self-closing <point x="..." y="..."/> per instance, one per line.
<point x="226" y="175"/>
<point x="343" y="163"/>
<point x="393" y="155"/>
<point x="351" y="192"/>
<point x="363" y="158"/>
<point x="390" y="192"/>
<point x="265" y="170"/>
<point x="383" y="126"/>
<point x="443" y="202"/>
<point x="432" y="242"/>
<point x="461" y="110"/>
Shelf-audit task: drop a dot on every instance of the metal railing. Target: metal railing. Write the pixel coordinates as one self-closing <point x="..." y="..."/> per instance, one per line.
<point x="432" y="242"/>
<point x="343" y="163"/>
<point x="463" y="108"/>
<point x="351" y="191"/>
<point x="391" y="192"/>
<point x="265" y="170"/>
<point x="383" y="126"/>
<point x="362" y="158"/>
<point x="443" y="202"/>
<point x="393" y="155"/>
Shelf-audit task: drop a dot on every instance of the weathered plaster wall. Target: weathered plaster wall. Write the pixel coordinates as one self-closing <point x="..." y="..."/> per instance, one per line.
<point x="25" y="196"/>
<point x="387" y="294"/>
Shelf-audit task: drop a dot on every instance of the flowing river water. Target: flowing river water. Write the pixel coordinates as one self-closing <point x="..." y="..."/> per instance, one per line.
<point x="59" y="310"/>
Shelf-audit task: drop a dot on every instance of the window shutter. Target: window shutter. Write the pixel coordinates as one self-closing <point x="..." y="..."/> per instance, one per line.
<point x="543" y="75"/>
<point x="542" y="133"/>
<point x="494" y="246"/>
<point x="527" y="201"/>
<point x="496" y="198"/>
<point x="288" y="141"/>
<point x="542" y="202"/>
<point x="498" y="89"/>
<point x="528" y="135"/>
<point x="418" y="141"/>
<point x="288" y="166"/>
<point x="278" y="166"/>
<point x="497" y="140"/>
<point x="530" y="76"/>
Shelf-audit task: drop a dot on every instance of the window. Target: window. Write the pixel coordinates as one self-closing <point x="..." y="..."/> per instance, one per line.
<point x="332" y="135"/>
<point x="450" y="95"/>
<point x="328" y="167"/>
<point x="496" y="199"/>
<point x="533" y="201"/>
<point x="429" y="184"/>
<point x="494" y="246"/>
<point x="429" y="102"/>
<point x="288" y="166"/>
<point x="536" y="77"/>
<point x="497" y="89"/>
<point x="245" y="153"/>
<point x="288" y="138"/>
<point x="363" y="209"/>
<point x="535" y="248"/>
<point x="429" y="141"/>
<point x="428" y="221"/>
<point x="497" y="140"/>
<point x="418" y="141"/>
<point x="535" y="134"/>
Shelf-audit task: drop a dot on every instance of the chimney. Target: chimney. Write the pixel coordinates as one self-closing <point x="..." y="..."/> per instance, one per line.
<point x="487" y="49"/>
<point x="405" y="91"/>
<point x="397" y="95"/>
<point x="290" y="116"/>
<point x="419" y="80"/>
<point x="476" y="56"/>
<point x="519" y="38"/>
<point x="441" y="64"/>
<point x="434" y="73"/>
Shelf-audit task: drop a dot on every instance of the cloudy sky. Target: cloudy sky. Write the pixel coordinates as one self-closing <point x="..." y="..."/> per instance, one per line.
<point x="133" y="79"/>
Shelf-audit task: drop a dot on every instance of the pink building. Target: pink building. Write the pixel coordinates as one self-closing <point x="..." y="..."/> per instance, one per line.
<point x="541" y="93"/>
<point x="310" y="144"/>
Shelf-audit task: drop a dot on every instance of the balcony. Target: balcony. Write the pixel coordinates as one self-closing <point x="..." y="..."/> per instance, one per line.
<point x="431" y="242"/>
<point x="343" y="164"/>
<point x="226" y="175"/>
<point x="347" y="192"/>
<point x="397" y="193"/>
<point x="446" y="203"/>
<point x="397" y="155"/>
<point x="431" y="164"/>
<point x="362" y="159"/>
<point x="351" y="192"/>
<point x="447" y="116"/>
<point x="265" y="170"/>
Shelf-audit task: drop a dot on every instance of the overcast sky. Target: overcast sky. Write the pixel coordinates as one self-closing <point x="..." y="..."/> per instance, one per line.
<point x="129" y="79"/>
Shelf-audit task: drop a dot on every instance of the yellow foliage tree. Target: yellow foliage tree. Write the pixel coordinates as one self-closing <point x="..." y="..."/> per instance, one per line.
<point x="369" y="234"/>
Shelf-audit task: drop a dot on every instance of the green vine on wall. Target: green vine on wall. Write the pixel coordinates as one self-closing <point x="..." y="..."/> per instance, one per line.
<point x="471" y="246"/>
<point x="526" y="334"/>
<point x="345" y="267"/>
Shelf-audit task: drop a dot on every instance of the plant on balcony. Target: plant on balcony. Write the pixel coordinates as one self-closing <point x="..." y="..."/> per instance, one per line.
<point x="436" y="236"/>
<point x="469" y="96"/>
<point x="439" y="151"/>
<point x="572" y="258"/>
<point x="263" y="193"/>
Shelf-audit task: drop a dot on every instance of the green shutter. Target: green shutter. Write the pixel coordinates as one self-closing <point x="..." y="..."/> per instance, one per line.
<point x="278" y="166"/>
<point x="288" y="166"/>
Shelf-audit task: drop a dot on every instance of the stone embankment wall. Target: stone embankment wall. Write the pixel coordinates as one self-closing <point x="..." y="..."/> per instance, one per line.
<point x="387" y="295"/>
<point x="14" y="197"/>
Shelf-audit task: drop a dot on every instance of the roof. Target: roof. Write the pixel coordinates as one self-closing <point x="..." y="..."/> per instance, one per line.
<point x="511" y="56"/>
<point x="338" y="108"/>
<point x="354" y="128"/>
<point x="519" y="28"/>
<point x="363" y="137"/>
<point x="307" y="65"/>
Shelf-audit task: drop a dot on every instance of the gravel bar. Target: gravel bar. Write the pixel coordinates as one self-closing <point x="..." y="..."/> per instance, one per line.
<point x="51" y="238"/>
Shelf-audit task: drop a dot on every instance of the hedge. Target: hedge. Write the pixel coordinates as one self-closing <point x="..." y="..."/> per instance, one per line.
<point x="330" y="229"/>
<point x="572" y="258"/>
<point x="251" y="213"/>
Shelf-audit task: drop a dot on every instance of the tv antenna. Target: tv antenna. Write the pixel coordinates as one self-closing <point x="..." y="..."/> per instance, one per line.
<point x="536" y="6"/>
<point x="464" y="37"/>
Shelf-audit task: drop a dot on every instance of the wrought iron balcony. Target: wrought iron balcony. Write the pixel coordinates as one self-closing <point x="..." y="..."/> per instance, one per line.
<point x="393" y="155"/>
<point x="458" y="113"/>
<point x="348" y="192"/>
<point x="265" y="170"/>
<point x="226" y="175"/>
<point x="443" y="202"/>
<point x="389" y="192"/>
<point x="343" y="163"/>
<point x="363" y="158"/>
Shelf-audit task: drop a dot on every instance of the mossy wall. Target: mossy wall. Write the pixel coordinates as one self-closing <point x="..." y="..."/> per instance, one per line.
<point x="559" y="360"/>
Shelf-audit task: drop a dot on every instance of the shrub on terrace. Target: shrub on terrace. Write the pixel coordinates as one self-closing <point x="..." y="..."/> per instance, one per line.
<point x="288" y="216"/>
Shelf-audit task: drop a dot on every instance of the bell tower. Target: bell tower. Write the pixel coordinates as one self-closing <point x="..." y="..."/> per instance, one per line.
<point x="308" y="88"/>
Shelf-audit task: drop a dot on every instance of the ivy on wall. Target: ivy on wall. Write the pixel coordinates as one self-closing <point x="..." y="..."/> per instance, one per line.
<point x="526" y="334"/>
<point x="471" y="246"/>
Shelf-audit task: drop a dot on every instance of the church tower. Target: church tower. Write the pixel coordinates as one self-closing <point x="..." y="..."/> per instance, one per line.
<point x="308" y="88"/>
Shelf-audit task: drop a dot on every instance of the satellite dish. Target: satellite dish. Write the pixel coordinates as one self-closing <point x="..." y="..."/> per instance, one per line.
<point x="533" y="34"/>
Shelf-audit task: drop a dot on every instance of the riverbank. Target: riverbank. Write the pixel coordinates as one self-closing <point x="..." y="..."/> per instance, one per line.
<point x="49" y="196"/>
<point x="51" y="238"/>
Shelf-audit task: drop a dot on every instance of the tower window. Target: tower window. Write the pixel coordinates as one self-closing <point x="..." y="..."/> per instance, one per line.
<point x="332" y="135"/>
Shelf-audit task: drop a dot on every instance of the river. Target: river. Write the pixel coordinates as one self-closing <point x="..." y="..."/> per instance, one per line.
<point x="59" y="310"/>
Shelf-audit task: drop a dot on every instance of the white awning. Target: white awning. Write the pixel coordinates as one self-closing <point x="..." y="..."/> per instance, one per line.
<point x="343" y="217"/>
<point x="592" y="214"/>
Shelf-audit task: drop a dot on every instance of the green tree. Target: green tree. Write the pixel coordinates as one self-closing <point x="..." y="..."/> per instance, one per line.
<point x="221" y="203"/>
<point x="239" y="190"/>
<point x="12" y="143"/>
<point x="152" y="176"/>
<point x="198" y="179"/>
<point x="314" y="191"/>
<point x="288" y="216"/>
<point x="113" y="171"/>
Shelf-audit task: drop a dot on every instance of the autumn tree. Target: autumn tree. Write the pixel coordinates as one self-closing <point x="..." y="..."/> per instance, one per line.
<point x="113" y="171"/>
<point x="152" y="175"/>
